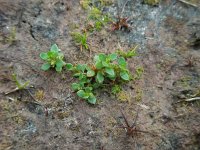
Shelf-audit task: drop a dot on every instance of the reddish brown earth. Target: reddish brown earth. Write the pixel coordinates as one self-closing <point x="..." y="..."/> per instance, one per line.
<point x="169" y="51"/>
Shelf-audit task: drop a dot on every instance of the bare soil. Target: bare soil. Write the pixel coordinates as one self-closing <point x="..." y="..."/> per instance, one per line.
<point x="168" y="36"/>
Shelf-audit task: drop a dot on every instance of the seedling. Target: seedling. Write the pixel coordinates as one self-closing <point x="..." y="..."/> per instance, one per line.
<point x="54" y="59"/>
<point x="80" y="39"/>
<point x="19" y="85"/>
<point x="128" y="54"/>
<point x="98" y="18"/>
<point x="139" y="71"/>
<point x="106" y="70"/>
<point x="23" y="86"/>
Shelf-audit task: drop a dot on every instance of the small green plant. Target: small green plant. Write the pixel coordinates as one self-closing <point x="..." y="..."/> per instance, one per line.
<point x="98" y="18"/>
<point x="106" y="70"/>
<point x="139" y="71"/>
<point x="54" y="59"/>
<point x="85" y="4"/>
<point x="94" y="13"/>
<point x="128" y="54"/>
<point x="80" y="39"/>
<point x="19" y="85"/>
<point x="116" y="89"/>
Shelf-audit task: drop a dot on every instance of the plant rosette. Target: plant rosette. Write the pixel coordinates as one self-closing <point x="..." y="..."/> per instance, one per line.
<point x="54" y="59"/>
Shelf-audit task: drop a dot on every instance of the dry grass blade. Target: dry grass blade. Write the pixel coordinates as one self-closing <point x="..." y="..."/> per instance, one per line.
<point x="131" y="130"/>
<point x="126" y="121"/>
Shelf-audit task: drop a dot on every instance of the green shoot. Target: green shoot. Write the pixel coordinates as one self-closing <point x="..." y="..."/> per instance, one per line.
<point x="128" y="54"/>
<point x="80" y="39"/>
<point x="54" y="59"/>
<point x="19" y="85"/>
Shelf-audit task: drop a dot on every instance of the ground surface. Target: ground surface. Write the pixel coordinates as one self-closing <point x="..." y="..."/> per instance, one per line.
<point x="168" y="36"/>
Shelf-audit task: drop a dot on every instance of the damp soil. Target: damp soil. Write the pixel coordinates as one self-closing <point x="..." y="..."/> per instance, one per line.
<point x="168" y="39"/>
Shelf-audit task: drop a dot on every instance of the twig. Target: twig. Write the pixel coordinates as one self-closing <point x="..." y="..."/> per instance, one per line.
<point x="26" y="89"/>
<point x="192" y="99"/>
<point x="188" y="100"/>
<point x="135" y="120"/>
<point x="126" y="121"/>
<point x="12" y="91"/>
<point x="188" y="3"/>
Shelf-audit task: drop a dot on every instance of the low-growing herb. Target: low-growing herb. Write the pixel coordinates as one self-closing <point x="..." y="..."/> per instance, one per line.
<point x="80" y="39"/>
<point x="97" y="18"/>
<point x="106" y="71"/>
<point x="128" y="54"/>
<point x="19" y="85"/>
<point x="139" y="71"/>
<point x="54" y="59"/>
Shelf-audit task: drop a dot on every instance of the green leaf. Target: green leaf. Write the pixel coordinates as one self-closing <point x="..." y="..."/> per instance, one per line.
<point x="111" y="77"/>
<point x="90" y="73"/>
<point x="113" y="56"/>
<point x="51" y="54"/>
<point x="100" y="77"/>
<point x="44" y="56"/>
<point x="102" y="57"/>
<point x="69" y="66"/>
<point x="110" y="71"/>
<point x="81" y="67"/>
<point x="82" y="76"/>
<point x="105" y="64"/>
<point x="60" y="56"/>
<point x="82" y="83"/>
<point x="124" y="75"/>
<point x="23" y="86"/>
<point x="45" y="66"/>
<point x="96" y="58"/>
<point x="58" y="69"/>
<point x="59" y="65"/>
<point x="76" y="75"/>
<point x="75" y="86"/>
<point x="98" y="65"/>
<point x="96" y="85"/>
<point x="81" y="93"/>
<point x="88" y="89"/>
<point x="92" y="99"/>
<point x="55" y="48"/>
<point x="122" y="62"/>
